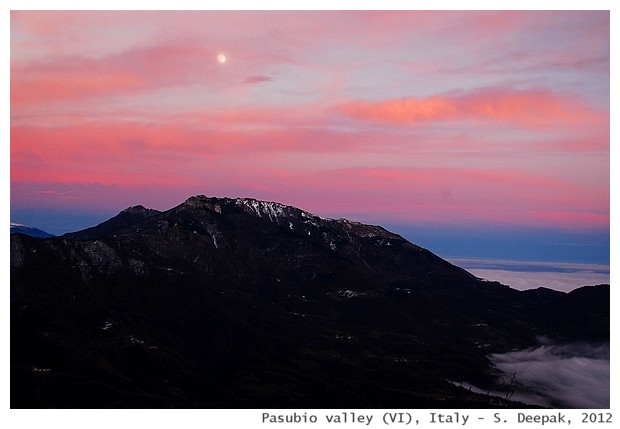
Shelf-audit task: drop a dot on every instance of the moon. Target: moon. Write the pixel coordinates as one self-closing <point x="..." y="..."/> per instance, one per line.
<point x="221" y="58"/>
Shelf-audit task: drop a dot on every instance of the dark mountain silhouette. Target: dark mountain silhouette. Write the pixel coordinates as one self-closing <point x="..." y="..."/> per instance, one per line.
<point x="125" y="218"/>
<point x="17" y="228"/>
<point x="239" y="303"/>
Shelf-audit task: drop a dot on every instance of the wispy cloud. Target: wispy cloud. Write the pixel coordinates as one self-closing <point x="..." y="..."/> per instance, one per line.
<point x="68" y="195"/>
<point x="80" y="77"/>
<point x="257" y="79"/>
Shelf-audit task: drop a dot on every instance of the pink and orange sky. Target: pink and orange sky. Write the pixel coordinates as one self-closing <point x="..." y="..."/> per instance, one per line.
<point x="440" y="120"/>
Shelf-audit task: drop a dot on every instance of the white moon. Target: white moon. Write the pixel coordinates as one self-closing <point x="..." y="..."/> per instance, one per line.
<point x="221" y="58"/>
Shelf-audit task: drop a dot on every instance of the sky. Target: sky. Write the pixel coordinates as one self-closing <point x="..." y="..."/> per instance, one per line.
<point x="476" y="134"/>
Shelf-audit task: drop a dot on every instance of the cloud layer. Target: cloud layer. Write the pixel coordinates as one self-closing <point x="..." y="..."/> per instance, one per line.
<point x="449" y="118"/>
<point x="560" y="376"/>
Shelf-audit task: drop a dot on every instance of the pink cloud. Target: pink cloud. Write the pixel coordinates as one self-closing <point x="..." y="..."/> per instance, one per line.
<point x="138" y="69"/>
<point x="129" y="154"/>
<point x="68" y="195"/>
<point x="451" y="196"/>
<point x="257" y="79"/>
<point x="596" y="142"/>
<point x="138" y="154"/>
<point x="531" y="108"/>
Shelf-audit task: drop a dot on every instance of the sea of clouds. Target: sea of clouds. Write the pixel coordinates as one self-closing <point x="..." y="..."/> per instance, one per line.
<point x="521" y="275"/>
<point x="573" y="375"/>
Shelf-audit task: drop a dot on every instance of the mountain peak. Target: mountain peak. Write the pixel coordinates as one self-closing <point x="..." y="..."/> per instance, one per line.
<point x="202" y="201"/>
<point x="271" y="210"/>
<point x="258" y="208"/>
<point x="140" y="210"/>
<point x="124" y="219"/>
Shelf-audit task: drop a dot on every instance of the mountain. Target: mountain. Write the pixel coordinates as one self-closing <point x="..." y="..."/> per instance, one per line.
<point x="17" y="228"/>
<point x="125" y="218"/>
<point x="240" y="303"/>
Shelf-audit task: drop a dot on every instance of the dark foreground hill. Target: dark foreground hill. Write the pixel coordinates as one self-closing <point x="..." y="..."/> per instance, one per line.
<point x="239" y="303"/>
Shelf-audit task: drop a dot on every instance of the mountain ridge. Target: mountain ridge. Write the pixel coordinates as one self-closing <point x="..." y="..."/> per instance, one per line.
<point x="127" y="217"/>
<point x="325" y="231"/>
<point x="18" y="228"/>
